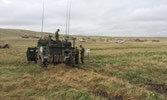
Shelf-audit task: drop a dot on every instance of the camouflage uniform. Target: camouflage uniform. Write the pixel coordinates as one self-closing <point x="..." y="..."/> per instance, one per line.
<point x="82" y="54"/>
<point x="76" y="56"/>
<point x="57" y="35"/>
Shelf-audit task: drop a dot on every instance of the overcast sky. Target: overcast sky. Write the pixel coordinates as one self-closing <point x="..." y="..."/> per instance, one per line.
<point x="89" y="17"/>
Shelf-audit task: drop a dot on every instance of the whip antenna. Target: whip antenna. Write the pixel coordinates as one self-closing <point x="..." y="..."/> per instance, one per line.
<point x="43" y="12"/>
<point x="68" y="18"/>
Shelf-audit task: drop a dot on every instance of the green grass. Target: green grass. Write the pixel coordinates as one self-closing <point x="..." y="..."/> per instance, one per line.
<point x="112" y="71"/>
<point x="124" y="47"/>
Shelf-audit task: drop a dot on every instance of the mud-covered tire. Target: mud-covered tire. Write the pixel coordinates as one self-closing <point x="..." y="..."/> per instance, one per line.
<point x="70" y="64"/>
<point x="35" y="62"/>
<point x="41" y="64"/>
<point x="70" y="61"/>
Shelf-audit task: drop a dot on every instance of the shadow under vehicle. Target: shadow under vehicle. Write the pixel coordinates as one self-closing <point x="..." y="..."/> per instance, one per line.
<point x="49" y="51"/>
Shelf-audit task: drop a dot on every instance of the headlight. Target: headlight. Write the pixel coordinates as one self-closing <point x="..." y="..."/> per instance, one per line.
<point x="41" y="49"/>
<point x="45" y="57"/>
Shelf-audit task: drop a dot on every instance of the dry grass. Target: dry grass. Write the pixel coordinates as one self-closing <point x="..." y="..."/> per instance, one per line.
<point x="130" y="71"/>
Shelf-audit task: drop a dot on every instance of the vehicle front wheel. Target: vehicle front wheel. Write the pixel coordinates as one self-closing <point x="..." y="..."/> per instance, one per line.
<point x="41" y="64"/>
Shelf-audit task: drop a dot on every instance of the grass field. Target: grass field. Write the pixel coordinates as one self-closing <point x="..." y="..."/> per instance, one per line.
<point x="129" y="71"/>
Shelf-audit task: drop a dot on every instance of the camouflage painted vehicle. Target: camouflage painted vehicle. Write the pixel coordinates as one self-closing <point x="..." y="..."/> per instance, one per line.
<point x="4" y="45"/>
<point x="49" y="51"/>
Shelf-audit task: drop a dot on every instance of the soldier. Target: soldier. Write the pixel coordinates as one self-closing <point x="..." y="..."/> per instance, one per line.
<point x="76" y="55"/>
<point x="57" y="35"/>
<point x="82" y="53"/>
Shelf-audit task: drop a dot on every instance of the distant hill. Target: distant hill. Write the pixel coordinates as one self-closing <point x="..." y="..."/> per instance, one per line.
<point x="16" y="32"/>
<point x="4" y="33"/>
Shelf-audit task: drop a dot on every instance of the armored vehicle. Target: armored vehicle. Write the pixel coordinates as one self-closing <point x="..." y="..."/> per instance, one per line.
<point x="49" y="51"/>
<point x="4" y="45"/>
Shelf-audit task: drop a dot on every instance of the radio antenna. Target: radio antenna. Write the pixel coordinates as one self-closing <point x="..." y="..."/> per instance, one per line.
<point x="68" y="18"/>
<point x="43" y="12"/>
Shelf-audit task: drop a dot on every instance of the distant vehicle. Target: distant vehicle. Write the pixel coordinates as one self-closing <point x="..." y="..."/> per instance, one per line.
<point x="4" y="46"/>
<point x="119" y="42"/>
<point x="25" y="36"/>
<point x="82" y="40"/>
<point x="37" y="37"/>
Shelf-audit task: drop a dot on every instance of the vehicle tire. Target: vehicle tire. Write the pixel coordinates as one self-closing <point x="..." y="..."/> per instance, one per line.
<point x="70" y="63"/>
<point x="41" y="64"/>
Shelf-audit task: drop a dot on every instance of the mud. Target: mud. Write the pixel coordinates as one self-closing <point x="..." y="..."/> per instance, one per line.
<point x="106" y="95"/>
<point x="160" y="88"/>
